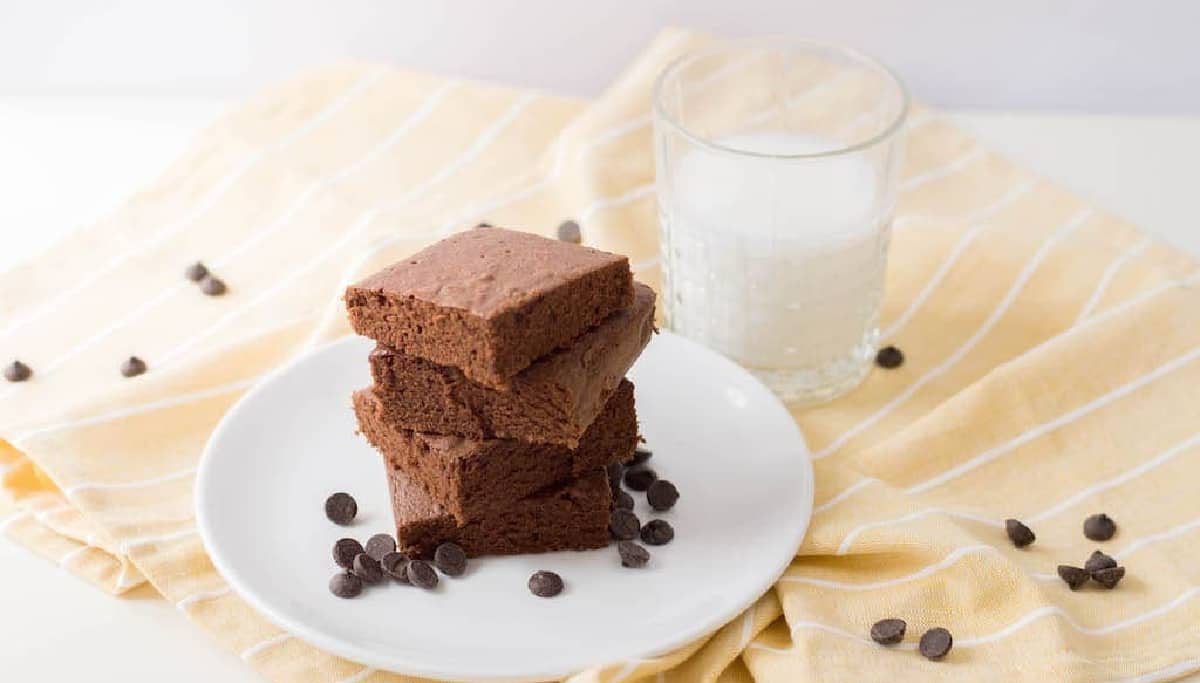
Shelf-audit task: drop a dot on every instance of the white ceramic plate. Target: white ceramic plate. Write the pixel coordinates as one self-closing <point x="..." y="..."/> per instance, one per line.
<point x="740" y="463"/>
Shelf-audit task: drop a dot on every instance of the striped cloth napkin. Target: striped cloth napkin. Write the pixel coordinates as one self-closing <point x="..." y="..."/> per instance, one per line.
<point x="1053" y="355"/>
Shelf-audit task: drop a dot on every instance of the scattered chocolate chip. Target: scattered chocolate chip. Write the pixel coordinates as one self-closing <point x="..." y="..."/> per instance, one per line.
<point x="889" y="357"/>
<point x="17" y="371"/>
<point x="344" y="552"/>
<point x="622" y="500"/>
<point x="632" y="554"/>
<point x="1018" y="533"/>
<point x="1109" y="577"/>
<point x="212" y="286"/>
<point x="657" y="532"/>
<point x="639" y="478"/>
<point x="888" y="631"/>
<point x="1099" y="527"/>
<point x="1099" y="561"/>
<point x="484" y="225"/>
<point x="380" y="545"/>
<point x="615" y="471"/>
<point x="421" y="575"/>
<point x="133" y="366"/>
<point x="341" y="508"/>
<point x="1074" y="576"/>
<point x="623" y="524"/>
<point x="936" y="643"/>
<point x="640" y="455"/>
<point x="568" y="231"/>
<point x="451" y="559"/>
<point x="367" y="568"/>
<point x="395" y="565"/>
<point x="662" y="495"/>
<point x="545" y="584"/>
<point x="196" y="272"/>
<point x="345" y="585"/>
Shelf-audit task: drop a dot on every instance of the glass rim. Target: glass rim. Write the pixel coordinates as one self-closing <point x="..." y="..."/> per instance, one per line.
<point x="808" y="45"/>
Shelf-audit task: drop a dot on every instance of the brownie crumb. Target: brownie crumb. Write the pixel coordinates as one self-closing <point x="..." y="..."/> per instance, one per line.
<point x="545" y="584"/>
<point x="888" y="631"/>
<point x="17" y="371"/>
<point x="1099" y="527"/>
<point x="889" y="358"/>
<point x="1020" y="535"/>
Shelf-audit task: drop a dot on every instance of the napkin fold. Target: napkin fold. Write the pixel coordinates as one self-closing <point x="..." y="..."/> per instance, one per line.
<point x="1052" y="357"/>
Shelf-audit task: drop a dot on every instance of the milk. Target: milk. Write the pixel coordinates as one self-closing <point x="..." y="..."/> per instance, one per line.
<point x="778" y="264"/>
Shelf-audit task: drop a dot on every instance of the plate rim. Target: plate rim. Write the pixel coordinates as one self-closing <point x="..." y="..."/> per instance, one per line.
<point x="365" y="657"/>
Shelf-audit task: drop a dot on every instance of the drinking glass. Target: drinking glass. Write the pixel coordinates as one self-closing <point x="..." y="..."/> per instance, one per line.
<point x="776" y="178"/>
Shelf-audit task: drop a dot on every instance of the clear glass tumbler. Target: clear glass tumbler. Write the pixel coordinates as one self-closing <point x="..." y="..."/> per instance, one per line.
<point x="777" y="165"/>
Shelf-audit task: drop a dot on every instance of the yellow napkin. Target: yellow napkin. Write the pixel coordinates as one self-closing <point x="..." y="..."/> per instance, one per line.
<point x="1052" y="372"/>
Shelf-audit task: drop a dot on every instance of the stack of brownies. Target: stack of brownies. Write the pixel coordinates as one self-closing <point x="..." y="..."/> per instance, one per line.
<point x="499" y="395"/>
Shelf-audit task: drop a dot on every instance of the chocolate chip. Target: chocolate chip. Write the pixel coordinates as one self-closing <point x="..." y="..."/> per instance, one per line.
<point x="623" y="524"/>
<point x="484" y="225"/>
<point x="344" y="552"/>
<point x="196" y="272"/>
<point x="632" y="554"/>
<point x="1099" y="527"/>
<point x="451" y="559"/>
<point x="889" y="357"/>
<point x="395" y="565"/>
<point x="1098" y="561"/>
<point x="888" y="631"/>
<point x="640" y="455"/>
<point x="133" y="366"/>
<point x="1109" y="577"/>
<point x="568" y="231"/>
<point x="17" y="371"/>
<point x="639" y="478"/>
<point x="345" y="585"/>
<point x="1074" y="576"/>
<point x="936" y="643"/>
<point x="341" y="508"/>
<point x="545" y="584"/>
<point x="662" y="495"/>
<point x="622" y="500"/>
<point x="421" y="575"/>
<point x="615" y="471"/>
<point x="380" y="545"/>
<point x="657" y="532"/>
<point x="1018" y="533"/>
<point x="212" y="286"/>
<point x="367" y="568"/>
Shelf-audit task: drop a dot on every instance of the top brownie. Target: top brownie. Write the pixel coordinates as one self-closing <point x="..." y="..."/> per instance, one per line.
<point x="490" y="301"/>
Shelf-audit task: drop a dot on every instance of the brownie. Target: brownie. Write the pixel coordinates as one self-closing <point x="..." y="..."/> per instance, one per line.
<point x="552" y="401"/>
<point x="490" y="301"/>
<point x="469" y="478"/>
<point x="569" y="516"/>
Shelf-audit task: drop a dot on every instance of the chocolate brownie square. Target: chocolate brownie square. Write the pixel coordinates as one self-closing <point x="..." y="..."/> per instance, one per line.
<point x="490" y="301"/>
<point x="470" y="478"/>
<point x="552" y="401"/>
<point x="569" y="516"/>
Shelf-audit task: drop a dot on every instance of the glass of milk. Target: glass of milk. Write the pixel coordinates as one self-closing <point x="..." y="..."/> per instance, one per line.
<point x="777" y="166"/>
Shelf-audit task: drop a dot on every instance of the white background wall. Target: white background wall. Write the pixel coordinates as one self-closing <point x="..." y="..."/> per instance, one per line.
<point x="1134" y="56"/>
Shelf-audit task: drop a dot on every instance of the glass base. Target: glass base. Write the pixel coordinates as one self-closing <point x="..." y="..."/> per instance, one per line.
<point x="810" y="387"/>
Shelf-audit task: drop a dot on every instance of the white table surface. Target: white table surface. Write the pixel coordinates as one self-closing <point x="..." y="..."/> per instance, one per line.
<point x="72" y="159"/>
